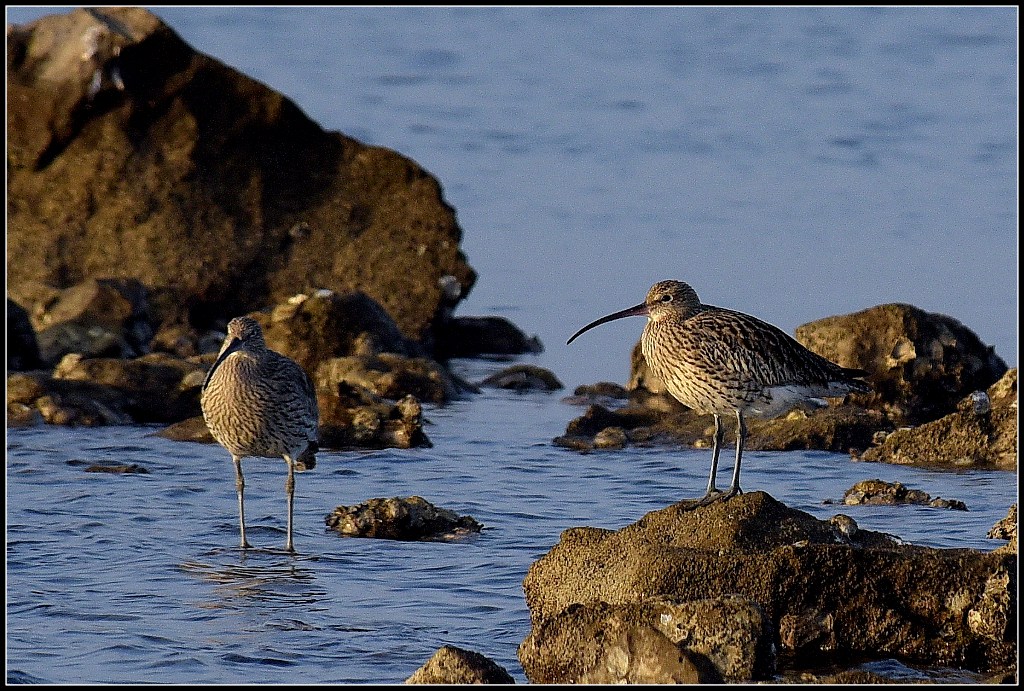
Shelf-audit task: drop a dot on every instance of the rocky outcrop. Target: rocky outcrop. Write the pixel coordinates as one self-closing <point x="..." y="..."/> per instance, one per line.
<point x="154" y="388"/>
<point x="921" y="364"/>
<point x="389" y="376"/>
<point x="453" y="665"/>
<point x="132" y="156"/>
<point x="351" y="417"/>
<point x="35" y="398"/>
<point x="825" y="586"/>
<point x="312" y="329"/>
<point x="157" y="387"/>
<point x="981" y="433"/>
<point x="411" y="518"/>
<point x="94" y="318"/>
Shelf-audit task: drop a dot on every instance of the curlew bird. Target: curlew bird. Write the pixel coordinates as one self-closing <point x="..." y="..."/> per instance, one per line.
<point x="722" y="362"/>
<point x="257" y="402"/>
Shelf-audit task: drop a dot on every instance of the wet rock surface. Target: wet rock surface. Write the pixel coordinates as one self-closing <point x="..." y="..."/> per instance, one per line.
<point x="410" y="518"/>
<point x="825" y="587"/>
<point x="454" y="665"/>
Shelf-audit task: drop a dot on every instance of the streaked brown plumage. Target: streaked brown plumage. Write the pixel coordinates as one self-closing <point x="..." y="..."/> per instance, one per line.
<point x="257" y="402"/>
<point x="718" y="361"/>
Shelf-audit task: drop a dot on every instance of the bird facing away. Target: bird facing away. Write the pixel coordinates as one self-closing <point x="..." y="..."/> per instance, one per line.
<point x="257" y="402"/>
<point x="718" y="361"/>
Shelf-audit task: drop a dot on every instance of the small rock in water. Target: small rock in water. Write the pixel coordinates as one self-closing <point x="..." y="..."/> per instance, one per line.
<point x="523" y="378"/>
<point x="892" y="493"/>
<point x="452" y="665"/>
<point x="412" y="518"/>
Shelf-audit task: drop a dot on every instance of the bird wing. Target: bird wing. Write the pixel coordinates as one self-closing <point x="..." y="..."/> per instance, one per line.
<point x="295" y="386"/>
<point x="770" y="356"/>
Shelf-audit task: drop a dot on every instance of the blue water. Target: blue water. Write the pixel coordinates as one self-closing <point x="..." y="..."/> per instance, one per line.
<point x="790" y="163"/>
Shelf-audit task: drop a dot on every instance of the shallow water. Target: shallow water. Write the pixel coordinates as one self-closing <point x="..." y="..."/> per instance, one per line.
<point x="138" y="578"/>
<point x="790" y="163"/>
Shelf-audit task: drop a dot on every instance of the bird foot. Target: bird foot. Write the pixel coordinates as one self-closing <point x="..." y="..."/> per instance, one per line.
<point x="710" y="497"/>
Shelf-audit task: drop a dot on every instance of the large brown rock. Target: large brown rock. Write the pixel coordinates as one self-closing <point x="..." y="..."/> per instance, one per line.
<point x="312" y="329"/>
<point x="130" y="155"/>
<point x="921" y="364"/>
<point x="832" y="588"/>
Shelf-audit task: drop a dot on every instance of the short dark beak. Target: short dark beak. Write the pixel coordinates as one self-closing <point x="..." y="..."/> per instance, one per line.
<point x="640" y="310"/>
<point x="234" y="345"/>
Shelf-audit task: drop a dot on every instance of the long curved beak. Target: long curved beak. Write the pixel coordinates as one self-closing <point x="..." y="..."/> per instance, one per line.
<point x="231" y="347"/>
<point x="640" y="310"/>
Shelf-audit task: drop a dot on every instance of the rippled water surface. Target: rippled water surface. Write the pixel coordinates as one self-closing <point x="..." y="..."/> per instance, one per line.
<point x="790" y="163"/>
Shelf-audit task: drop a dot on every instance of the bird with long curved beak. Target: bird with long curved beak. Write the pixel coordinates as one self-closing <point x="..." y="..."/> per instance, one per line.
<point x="721" y="362"/>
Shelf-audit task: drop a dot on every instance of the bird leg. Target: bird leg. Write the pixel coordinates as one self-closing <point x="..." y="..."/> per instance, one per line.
<point x="741" y="437"/>
<point x="240" y="487"/>
<point x="289" y="488"/>
<point x="712" y="492"/>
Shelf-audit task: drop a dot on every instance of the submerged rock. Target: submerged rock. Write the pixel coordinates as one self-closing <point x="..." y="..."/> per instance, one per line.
<point x="523" y="378"/>
<point x="453" y="665"/>
<point x="412" y="518"/>
<point x="117" y="469"/>
<point x="827" y="589"/>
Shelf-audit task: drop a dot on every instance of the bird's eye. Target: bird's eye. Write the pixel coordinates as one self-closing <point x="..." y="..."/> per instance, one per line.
<point x="666" y="298"/>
